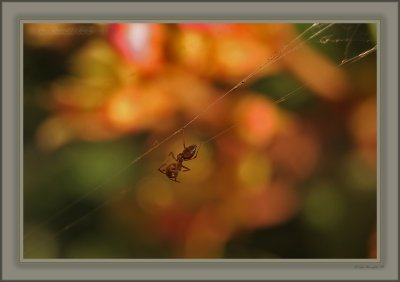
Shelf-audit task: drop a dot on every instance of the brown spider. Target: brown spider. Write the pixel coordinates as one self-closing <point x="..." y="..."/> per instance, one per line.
<point x="172" y="170"/>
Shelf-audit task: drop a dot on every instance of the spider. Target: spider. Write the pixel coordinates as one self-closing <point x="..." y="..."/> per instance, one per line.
<point x="172" y="170"/>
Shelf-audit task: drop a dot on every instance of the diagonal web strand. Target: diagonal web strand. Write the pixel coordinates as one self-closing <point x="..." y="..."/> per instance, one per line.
<point x="284" y="98"/>
<point x="122" y="192"/>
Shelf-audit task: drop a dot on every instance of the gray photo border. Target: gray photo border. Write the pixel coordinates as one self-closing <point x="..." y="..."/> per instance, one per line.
<point x="14" y="13"/>
<point x="20" y="154"/>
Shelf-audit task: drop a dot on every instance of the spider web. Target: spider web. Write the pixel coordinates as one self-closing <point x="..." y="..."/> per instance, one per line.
<point x="318" y="34"/>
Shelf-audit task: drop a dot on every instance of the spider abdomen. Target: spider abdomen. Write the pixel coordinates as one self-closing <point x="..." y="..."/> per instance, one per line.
<point x="189" y="152"/>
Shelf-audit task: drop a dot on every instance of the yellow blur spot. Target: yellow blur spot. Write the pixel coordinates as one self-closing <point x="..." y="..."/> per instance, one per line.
<point x="123" y="112"/>
<point x="232" y="54"/>
<point x="154" y="195"/>
<point x="254" y="170"/>
<point x="53" y="133"/>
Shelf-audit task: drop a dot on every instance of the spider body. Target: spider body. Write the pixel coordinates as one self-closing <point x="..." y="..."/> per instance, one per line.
<point x="172" y="170"/>
<point x="188" y="153"/>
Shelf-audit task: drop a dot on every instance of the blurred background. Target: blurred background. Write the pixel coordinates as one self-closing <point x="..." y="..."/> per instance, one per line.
<point x="294" y="179"/>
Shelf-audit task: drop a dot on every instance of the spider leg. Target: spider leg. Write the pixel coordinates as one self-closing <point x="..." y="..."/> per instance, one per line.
<point x="163" y="171"/>
<point x="173" y="156"/>
<point x="186" y="168"/>
<point x="174" y="179"/>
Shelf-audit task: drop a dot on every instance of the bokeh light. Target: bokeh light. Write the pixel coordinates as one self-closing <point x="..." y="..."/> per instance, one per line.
<point x="276" y="176"/>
